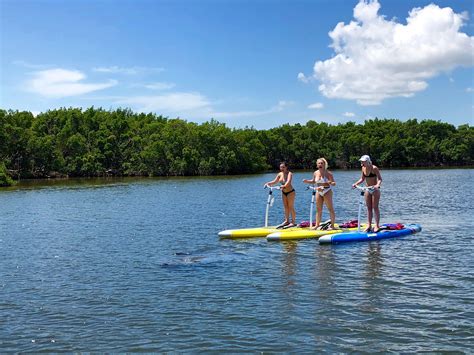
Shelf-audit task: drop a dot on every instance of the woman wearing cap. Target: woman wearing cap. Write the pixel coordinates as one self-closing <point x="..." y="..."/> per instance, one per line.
<point x="324" y="179"/>
<point x="371" y="176"/>
<point x="288" y="194"/>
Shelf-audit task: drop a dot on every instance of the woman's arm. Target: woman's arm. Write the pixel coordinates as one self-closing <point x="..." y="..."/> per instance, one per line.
<point x="379" y="177"/>
<point x="331" y="179"/>
<point x="274" y="181"/>
<point x="360" y="181"/>
<point x="310" y="181"/>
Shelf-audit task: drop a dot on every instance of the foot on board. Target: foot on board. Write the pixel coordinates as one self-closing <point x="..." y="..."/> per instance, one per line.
<point x="282" y="225"/>
<point x="324" y="225"/>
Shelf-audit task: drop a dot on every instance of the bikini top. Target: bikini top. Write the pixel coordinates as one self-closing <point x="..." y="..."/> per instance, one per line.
<point x="371" y="174"/>
<point x="324" y="180"/>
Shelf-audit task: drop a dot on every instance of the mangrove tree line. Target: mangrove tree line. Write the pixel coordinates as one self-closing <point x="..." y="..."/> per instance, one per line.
<point x="97" y="142"/>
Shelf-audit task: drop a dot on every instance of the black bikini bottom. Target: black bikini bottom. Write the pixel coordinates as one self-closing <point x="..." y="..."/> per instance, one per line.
<point x="287" y="193"/>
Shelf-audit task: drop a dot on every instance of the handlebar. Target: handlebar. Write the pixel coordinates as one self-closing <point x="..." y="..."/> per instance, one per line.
<point x="272" y="187"/>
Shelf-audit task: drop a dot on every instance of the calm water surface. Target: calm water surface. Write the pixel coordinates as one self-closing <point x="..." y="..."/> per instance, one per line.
<point x="136" y="265"/>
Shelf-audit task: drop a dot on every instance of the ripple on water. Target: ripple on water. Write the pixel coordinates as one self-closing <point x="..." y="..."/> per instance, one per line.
<point x="137" y="266"/>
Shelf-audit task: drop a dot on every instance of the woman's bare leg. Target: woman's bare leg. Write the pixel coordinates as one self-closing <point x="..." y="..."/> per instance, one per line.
<point x="330" y="206"/>
<point x="375" y="206"/>
<point x="286" y="208"/>
<point x="291" y="207"/>
<point x="319" y="209"/>
<point x="368" y="202"/>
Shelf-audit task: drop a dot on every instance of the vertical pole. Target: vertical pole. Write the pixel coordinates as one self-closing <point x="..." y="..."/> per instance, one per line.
<point x="361" y="202"/>
<point x="268" y="207"/>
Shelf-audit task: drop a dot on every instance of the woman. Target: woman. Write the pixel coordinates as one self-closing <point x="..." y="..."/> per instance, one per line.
<point x="288" y="194"/>
<point x="373" y="179"/>
<point x="324" y="180"/>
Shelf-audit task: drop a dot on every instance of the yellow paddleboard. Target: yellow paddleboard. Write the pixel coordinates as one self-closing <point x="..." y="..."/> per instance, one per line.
<point x="251" y="232"/>
<point x="306" y="233"/>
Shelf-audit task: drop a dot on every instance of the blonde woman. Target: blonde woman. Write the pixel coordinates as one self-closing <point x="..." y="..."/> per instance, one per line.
<point x="288" y="194"/>
<point x="324" y="180"/>
<point x="371" y="176"/>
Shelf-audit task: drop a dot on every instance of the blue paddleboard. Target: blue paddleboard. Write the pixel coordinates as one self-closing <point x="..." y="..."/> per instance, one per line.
<point x="369" y="236"/>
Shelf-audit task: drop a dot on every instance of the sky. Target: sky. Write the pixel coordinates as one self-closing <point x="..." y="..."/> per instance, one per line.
<point x="259" y="63"/>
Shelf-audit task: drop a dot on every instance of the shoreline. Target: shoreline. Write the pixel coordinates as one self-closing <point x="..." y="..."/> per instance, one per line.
<point x="24" y="183"/>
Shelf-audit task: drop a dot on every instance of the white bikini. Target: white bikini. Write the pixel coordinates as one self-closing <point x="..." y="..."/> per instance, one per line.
<point x="326" y="189"/>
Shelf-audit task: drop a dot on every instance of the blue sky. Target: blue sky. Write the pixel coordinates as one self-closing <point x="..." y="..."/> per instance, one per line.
<point x="258" y="63"/>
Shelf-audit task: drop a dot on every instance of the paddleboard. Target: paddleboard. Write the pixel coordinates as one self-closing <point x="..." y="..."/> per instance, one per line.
<point x="369" y="236"/>
<point x="250" y="232"/>
<point x="304" y="233"/>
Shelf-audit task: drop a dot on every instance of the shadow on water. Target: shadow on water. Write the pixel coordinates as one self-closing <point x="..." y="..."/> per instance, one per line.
<point x="289" y="265"/>
<point x="325" y="272"/>
<point x="200" y="259"/>
<point x="374" y="260"/>
<point x="372" y="284"/>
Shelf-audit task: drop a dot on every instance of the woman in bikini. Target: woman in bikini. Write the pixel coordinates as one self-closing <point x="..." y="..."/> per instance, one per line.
<point x="373" y="179"/>
<point x="288" y="194"/>
<point x="324" y="180"/>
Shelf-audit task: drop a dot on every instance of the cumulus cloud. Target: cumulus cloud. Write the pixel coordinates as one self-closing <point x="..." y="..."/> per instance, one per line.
<point x="349" y="114"/>
<point x="376" y="59"/>
<point x="58" y="83"/>
<point x="316" y="106"/>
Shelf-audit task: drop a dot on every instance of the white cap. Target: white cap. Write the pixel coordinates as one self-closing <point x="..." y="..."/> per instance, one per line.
<point x="365" y="158"/>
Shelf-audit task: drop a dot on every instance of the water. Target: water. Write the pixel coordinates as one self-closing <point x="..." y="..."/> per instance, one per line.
<point x="136" y="265"/>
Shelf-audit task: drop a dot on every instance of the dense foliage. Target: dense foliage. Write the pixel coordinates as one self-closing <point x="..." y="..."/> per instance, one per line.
<point x="5" y="179"/>
<point x="96" y="142"/>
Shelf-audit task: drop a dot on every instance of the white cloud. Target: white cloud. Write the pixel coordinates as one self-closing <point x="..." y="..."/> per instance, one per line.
<point x="160" y="86"/>
<point x="185" y="104"/>
<point x="25" y="64"/>
<point x="282" y="104"/>
<point x="376" y="59"/>
<point x="177" y="102"/>
<point x="58" y="83"/>
<point x="303" y="78"/>
<point x="130" y="71"/>
<point x="349" y="114"/>
<point x="251" y="113"/>
<point x="469" y="89"/>
<point x="316" y="106"/>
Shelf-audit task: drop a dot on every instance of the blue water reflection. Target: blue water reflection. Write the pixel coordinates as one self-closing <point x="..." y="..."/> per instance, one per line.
<point x="136" y="265"/>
